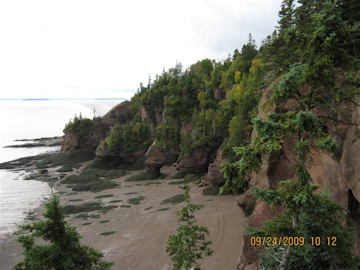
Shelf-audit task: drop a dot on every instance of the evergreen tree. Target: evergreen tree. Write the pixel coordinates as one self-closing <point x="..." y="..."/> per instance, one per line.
<point x="189" y="245"/>
<point x="64" y="250"/>
<point x="248" y="53"/>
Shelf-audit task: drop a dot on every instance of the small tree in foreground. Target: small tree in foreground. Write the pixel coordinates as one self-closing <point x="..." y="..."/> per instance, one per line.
<point x="64" y="250"/>
<point x="190" y="245"/>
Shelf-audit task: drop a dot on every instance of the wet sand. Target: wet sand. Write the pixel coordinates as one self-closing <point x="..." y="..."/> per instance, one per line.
<point x="140" y="231"/>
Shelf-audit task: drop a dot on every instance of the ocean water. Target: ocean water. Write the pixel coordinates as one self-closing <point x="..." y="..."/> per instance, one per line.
<point x="32" y="119"/>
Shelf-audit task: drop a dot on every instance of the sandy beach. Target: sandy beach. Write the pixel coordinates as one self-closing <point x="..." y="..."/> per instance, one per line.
<point x="134" y="234"/>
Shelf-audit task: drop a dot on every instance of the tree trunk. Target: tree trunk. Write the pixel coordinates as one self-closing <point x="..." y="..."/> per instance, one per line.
<point x="287" y="254"/>
<point x="285" y="259"/>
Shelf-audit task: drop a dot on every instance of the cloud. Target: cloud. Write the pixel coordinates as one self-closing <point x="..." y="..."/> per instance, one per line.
<point x="50" y="45"/>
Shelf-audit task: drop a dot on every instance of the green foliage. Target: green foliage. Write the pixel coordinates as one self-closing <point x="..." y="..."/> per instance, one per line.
<point x="167" y="135"/>
<point x="79" y="126"/>
<point x="289" y="83"/>
<point x="319" y="217"/>
<point x="189" y="245"/>
<point x="296" y="196"/>
<point x="64" y="250"/>
<point x="129" y="137"/>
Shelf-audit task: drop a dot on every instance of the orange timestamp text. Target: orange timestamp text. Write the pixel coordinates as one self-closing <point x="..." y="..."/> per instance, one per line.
<point x="292" y="241"/>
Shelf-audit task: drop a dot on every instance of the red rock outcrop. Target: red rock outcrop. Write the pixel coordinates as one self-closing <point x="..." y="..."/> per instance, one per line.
<point x="249" y="252"/>
<point x="340" y="178"/>
<point x="214" y="174"/>
<point x="247" y="202"/>
<point x="87" y="141"/>
<point x="196" y="162"/>
<point x="90" y="139"/>
<point x="159" y="157"/>
<point x="156" y="158"/>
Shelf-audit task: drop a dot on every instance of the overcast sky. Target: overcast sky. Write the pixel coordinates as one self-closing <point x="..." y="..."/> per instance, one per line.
<point x="93" y="49"/>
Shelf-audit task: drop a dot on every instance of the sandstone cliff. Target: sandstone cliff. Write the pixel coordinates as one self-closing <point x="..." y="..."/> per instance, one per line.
<point x="341" y="178"/>
<point x="90" y="138"/>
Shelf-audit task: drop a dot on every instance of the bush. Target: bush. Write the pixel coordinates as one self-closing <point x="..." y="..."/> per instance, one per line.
<point x="79" y="126"/>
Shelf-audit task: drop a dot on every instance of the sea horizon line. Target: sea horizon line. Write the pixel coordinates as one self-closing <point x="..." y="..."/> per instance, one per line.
<point x="40" y="99"/>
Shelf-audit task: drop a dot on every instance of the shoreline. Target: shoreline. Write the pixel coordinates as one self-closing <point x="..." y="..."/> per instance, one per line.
<point x="40" y="142"/>
<point x="133" y="231"/>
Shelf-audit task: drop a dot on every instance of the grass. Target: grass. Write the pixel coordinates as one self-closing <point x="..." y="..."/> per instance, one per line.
<point x="144" y="176"/>
<point x="86" y="207"/>
<point x="163" y="209"/>
<point x="107" y="233"/>
<point x="174" y="200"/>
<point x="148" y="208"/>
<point x="136" y="200"/>
<point x="104" y="196"/>
<point x="125" y="206"/>
<point x="131" y="193"/>
<point x="187" y="179"/>
<point x="209" y="191"/>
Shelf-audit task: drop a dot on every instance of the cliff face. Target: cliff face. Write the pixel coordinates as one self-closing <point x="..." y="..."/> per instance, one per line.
<point x="90" y="139"/>
<point x="341" y="178"/>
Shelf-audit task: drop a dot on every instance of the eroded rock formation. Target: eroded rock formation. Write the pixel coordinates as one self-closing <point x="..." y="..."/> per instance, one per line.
<point x="214" y="174"/>
<point x="156" y="158"/>
<point x="90" y="139"/>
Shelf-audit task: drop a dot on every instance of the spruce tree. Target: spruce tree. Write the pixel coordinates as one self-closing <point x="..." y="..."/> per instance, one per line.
<point x="62" y="250"/>
<point x="320" y="43"/>
<point x="189" y="245"/>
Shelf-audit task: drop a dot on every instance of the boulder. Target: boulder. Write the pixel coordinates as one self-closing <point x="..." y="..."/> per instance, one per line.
<point x="247" y="202"/>
<point x="43" y="171"/>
